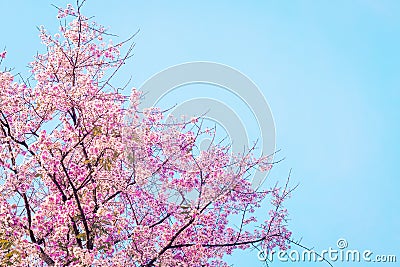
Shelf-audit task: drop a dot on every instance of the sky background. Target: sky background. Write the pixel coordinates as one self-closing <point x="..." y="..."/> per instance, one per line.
<point x="329" y="71"/>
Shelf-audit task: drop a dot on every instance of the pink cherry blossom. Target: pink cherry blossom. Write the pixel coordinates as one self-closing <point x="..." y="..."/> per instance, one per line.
<point x="88" y="180"/>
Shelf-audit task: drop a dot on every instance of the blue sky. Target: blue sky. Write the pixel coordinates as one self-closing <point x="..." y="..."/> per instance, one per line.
<point x="329" y="71"/>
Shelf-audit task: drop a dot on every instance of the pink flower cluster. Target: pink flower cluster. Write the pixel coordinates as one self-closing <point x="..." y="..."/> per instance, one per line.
<point x="87" y="181"/>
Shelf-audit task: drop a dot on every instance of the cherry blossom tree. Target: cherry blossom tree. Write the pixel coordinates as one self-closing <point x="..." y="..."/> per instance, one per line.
<point x="88" y="179"/>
